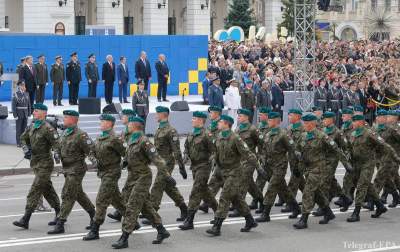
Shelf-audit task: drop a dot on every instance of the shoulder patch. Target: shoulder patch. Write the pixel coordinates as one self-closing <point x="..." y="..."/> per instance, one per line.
<point x="291" y="141"/>
<point x="153" y="150"/>
<point x="89" y="141"/>
<point x="261" y="136"/>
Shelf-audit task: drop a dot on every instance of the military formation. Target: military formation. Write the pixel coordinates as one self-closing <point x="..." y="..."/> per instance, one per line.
<point x="222" y="160"/>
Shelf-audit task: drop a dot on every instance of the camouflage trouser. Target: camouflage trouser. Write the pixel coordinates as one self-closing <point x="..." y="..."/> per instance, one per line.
<point x="331" y="187"/>
<point x="248" y="184"/>
<point x="138" y="201"/>
<point x="261" y="181"/>
<point x="160" y="186"/>
<point x="216" y="182"/>
<point x="364" y="186"/>
<point x="231" y="193"/>
<point x="72" y="191"/>
<point x="200" y="190"/>
<point x="108" y="194"/>
<point x="312" y="193"/>
<point x="295" y="183"/>
<point x="349" y="184"/>
<point x="277" y="184"/>
<point x="42" y="186"/>
<point x="385" y="177"/>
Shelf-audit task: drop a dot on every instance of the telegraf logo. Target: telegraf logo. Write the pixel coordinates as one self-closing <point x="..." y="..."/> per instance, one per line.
<point x="368" y="245"/>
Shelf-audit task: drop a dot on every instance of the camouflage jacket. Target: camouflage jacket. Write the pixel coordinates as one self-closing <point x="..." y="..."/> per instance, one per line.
<point x="199" y="147"/>
<point x="336" y="135"/>
<point x="166" y="141"/>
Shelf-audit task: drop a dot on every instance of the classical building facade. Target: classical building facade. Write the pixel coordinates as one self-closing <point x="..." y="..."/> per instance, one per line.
<point x="128" y="16"/>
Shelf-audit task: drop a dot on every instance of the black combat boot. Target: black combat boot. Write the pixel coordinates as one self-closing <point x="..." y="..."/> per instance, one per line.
<point x="280" y="202"/>
<point x="261" y="209"/>
<point x="395" y="201"/>
<point x="339" y="202"/>
<point x="264" y="217"/>
<point x="93" y="233"/>
<point x="58" y="228"/>
<point x="328" y="215"/>
<point x="302" y="223"/>
<point x="295" y="210"/>
<point x="369" y="204"/>
<point x="91" y="216"/>
<point x="215" y="230"/>
<point x="188" y="224"/>
<point x="122" y="241"/>
<point x="384" y="196"/>
<point x="254" y="204"/>
<point x="162" y="234"/>
<point x="250" y="223"/>
<point x="355" y="216"/>
<point x="116" y="215"/>
<point x="346" y="203"/>
<point x="234" y="214"/>
<point x="54" y="222"/>
<point x="24" y="221"/>
<point x="184" y="212"/>
<point x="203" y="207"/>
<point x="146" y="221"/>
<point x="380" y="209"/>
<point x="318" y="213"/>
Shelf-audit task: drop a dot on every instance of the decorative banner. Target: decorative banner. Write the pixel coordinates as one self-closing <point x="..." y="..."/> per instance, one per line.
<point x="284" y="32"/>
<point x="261" y="33"/>
<point x="234" y="33"/>
<point x="252" y="32"/>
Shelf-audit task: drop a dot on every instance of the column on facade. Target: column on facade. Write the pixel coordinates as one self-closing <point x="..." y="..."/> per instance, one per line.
<point x="198" y="19"/>
<point x="111" y="16"/>
<point x="155" y="20"/>
<point x="273" y="15"/>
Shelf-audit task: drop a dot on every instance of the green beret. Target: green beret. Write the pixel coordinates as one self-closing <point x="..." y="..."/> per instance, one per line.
<point x="107" y="117"/>
<point x="71" y="113"/>
<point x="162" y="109"/>
<point x="264" y="110"/>
<point x="358" y="118"/>
<point x="273" y="115"/>
<point x="136" y="119"/>
<point x="382" y="112"/>
<point x="40" y="106"/>
<point x="316" y="108"/>
<point x="215" y="108"/>
<point x="199" y="114"/>
<point x="295" y="111"/>
<point x="227" y="119"/>
<point x="358" y="108"/>
<point x="329" y="114"/>
<point x="128" y="112"/>
<point x="347" y="111"/>
<point x="244" y="112"/>
<point x="309" y="117"/>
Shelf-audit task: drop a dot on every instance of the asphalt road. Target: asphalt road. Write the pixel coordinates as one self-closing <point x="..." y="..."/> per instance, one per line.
<point x="278" y="235"/>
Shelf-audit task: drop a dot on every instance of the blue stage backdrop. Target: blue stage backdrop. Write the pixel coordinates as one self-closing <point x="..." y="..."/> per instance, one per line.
<point x="186" y="58"/>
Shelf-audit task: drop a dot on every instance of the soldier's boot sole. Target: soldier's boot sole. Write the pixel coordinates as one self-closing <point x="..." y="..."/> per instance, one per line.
<point x="122" y="241"/>
<point x="56" y="231"/>
<point x="300" y="225"/>
<point x="379" y="212"/>
<point x="318" y="213"/>
<point x="21" y="224"/>
<point x="91" y="236"/>
<point x="213" y="232"/>
<point x="248" y="227"/>
<point x="186" y="226"/>
<point x="263" y="218"/>
<point x="161" y="237"/>
<point x="353" y="219"/>
<point x="326" y="219"/>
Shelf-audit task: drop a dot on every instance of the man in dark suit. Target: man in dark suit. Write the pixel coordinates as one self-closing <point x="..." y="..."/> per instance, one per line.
<point x="74" y="76"/>
<point x="123" y="79"/>
<point x="41" y="78"/>
<point x="28" y="74"/>
<point x="278" y="98"/>
<point x="108" y="76"/>
<point x="162" y="77"/>
<point x="143" y="70"/>
<point x="92" y="75"/>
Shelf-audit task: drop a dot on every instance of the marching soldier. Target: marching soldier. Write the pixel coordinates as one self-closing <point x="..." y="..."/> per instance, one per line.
<point x="277" y="145"/>
<point x="42" y="79"/>
<point x="74" y="77"/>
<point x="21" y="108"/>
<point x="107" y="152"/>
<point x="57" y="76"/>
<point x="37" y="142"/>
<point x="199" y="148"/>
<point x="74" y="147"/>
<point x="140" y="102"/>
<point x="140" y="153"/>
<point x="167" y="144"/>
<point x="92" y="75"/>
<point x="321" y="95"/>
<point x="230" y="151"/>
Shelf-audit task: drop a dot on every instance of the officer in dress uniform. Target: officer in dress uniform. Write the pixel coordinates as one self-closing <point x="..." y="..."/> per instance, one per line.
<point x="21" y="108"/>
<point x="335" y="97"/>
<point x="74" y="77"/>
<point x="92" y="75"/>
<point x="140" y="102"/>
<point x="321" y="95"/>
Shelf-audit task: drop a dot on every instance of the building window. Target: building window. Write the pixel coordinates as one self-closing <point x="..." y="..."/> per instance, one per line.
<point x="128" y="25"/>
<point x="388" y="5"/>
<point x="171" y="25"/>
<point x="6" y="25"/>
<point x="374" y="4"/>
<point x="354" y="5"/>
<point x="348" y="34"/>
<point x="80" y="22"/>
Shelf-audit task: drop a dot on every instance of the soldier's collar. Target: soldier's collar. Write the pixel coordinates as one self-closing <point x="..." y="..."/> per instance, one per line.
<point x="244" y="126"/>
<point x="106" y="133"/>
<point x="329" y="130"/>
<point x="214" y="125"/>
<point x="197" y="131"/>
<point x="226" y="133"/>
<point x="136" y="136"/>
<point x="275" y="131"/>
<point x="263" y="125"/>
<point x="296" y="126"/>
<point x="381" y="126"/>
<point x="37" y="124"/>
<point x="310" y="135"/>
<point x="358" y="132"/>
<point x="162" y="124"/>
<point x="347" y="124"/>
<point x="68" y="131"/>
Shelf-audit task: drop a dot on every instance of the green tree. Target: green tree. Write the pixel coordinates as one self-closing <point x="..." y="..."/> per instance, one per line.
<point x="287" y="17"/>
<point x="240" y="14"/>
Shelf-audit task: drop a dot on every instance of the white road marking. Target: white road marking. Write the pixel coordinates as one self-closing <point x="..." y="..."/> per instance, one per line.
<point x="378" y="249"/>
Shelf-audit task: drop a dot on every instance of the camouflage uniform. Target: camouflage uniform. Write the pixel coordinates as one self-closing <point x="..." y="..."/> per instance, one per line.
<point x="108" y="150"/>
<point x="263" y="129"/>
<point x="295" y="182"/>
<point x="216" y="181"/>
<point x="166" y="141"/>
